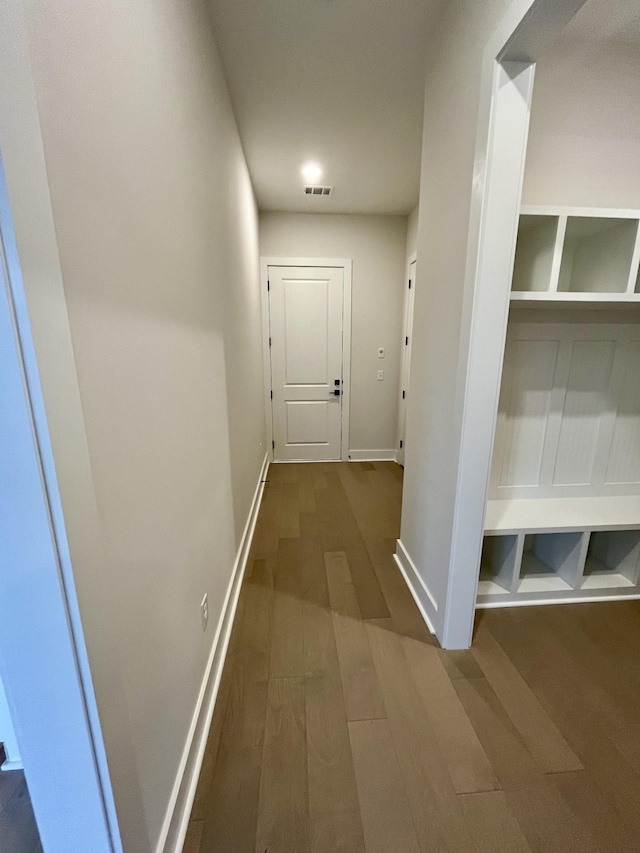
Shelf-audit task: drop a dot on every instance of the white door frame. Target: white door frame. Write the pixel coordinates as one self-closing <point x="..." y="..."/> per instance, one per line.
<point x="503" y="123"/>
<point x="405" y="366"/>
<point x="43" y="659"/>
<point x="341" y="263"/>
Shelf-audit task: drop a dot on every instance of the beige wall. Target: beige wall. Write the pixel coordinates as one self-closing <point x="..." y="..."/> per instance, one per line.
<point x="377" y="246"/>
<point x="156" y="230"/>
<point x="584" y="137"/>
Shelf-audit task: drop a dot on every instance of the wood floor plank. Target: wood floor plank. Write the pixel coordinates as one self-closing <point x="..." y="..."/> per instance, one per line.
<point x="466" y="760"/>
<point x="527" y="646"/>
<point x="318" y="477"/>
<point x="621" y="682"/>
<point x="334" y="812"/>
<point x="460" y="664"/>
<point x="241" y="720"/>
<point x="203" y="789"/>
<point x="575" y="670"/>
<point x="396" y="470"/>
<point x="360" y="684"/>
<point x="194" y="837"/>
<point x="340" y="532"/>
<point x="359" y="472"/>
<point x="9" y="782"/>
<point x="254" y="639"/>
<point x="611" y="828"/>
<point x="18" y="830"/>
<point x="546" y="820"/>
<point x="402" y="608"/>
<point x="306" y="493"/>
<point x="287" y="640"/>
<point x="436" y="810"/>
<point x="289" y="517"/>
<point x="220" y="709"/>
<point x="266" y="534"/>
<point x="615" y="777"/>
<point x="283" y="819"/>
<point x="545" y="743"/>
<point x="375" y="508"/>
<point x="492" y="825"/>
<point x="371" y="600"/>
<point x="232" y="806"/>
<point x="386" y="817"/>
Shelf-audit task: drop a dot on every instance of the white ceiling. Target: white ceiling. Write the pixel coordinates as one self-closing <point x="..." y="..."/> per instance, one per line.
<point x="340" y="82"/>
<point x="606" y="21"/>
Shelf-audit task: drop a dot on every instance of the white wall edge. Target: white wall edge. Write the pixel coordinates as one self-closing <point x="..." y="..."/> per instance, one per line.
<point x="427" y="605"/>
<point x="174" y="828"/>
<point x="372" y="456"/>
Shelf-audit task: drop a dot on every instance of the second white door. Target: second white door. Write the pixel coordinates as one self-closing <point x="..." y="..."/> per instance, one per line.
<point x="306" y="346"/>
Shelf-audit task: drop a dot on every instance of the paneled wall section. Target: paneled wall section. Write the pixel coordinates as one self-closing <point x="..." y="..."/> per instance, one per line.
<point x="569" y="414"/>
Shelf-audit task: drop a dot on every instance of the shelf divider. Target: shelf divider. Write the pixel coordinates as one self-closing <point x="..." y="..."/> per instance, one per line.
<point x="557" y="253"/>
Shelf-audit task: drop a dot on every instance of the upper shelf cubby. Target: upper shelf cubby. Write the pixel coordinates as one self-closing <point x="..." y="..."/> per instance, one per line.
<point x="534" y="253"/>
<point x="577" y="255"/>
<point x="597" y="255"/>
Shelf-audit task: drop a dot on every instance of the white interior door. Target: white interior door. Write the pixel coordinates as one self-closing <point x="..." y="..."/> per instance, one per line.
<point x="306" y="336"/>
<point x="406" y="358"/>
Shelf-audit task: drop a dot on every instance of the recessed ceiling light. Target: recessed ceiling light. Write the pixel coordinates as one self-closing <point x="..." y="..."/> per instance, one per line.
<point x="311" y="172"/>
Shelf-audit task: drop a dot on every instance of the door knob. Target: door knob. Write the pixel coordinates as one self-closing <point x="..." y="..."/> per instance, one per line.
<point x="337" y="392"/>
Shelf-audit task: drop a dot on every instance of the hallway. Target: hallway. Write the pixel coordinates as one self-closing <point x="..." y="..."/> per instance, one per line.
<point x="341" y="725"/>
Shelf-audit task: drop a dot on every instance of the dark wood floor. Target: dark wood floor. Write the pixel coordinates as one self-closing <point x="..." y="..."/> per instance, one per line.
<point x="18" y="830"/>
<point x="342" y="726"/>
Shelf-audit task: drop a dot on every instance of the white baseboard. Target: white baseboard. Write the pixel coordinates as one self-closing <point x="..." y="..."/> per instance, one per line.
<point x="488" y="605"/>
<point x="12" y="765"/>
<point x="372" y="456"/>
<point x="427" y="604"/>
<point x="174" y="828"/>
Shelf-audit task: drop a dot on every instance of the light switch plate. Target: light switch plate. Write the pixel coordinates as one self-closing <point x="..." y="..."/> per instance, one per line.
<point x="380" y="352"/>
<point x="380" y="375"/>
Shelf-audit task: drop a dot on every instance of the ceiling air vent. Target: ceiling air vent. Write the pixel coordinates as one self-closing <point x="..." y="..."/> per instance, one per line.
<point x="318" y="190"/>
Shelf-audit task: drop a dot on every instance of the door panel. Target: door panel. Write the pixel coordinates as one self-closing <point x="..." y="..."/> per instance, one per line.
<point x="305" y="317"/>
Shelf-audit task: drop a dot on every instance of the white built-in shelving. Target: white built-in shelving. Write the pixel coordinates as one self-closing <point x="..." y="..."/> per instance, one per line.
<point x="577" y="255"/>
<point x="563" y="515"/>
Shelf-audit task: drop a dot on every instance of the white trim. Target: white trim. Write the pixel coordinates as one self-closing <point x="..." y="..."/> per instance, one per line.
<point x="346" y="265"/>
<point x="346" y="360"/>
<point x="427" y="604"/>
<point x="405" y="362"/>
<point x="174" y="827"/>
<point x="57" y="659"/>
<point x="490" y="605"/>
<point x="372" y="456"/>
<point x="574" y="298"/>
<point x="564" y="210"/>
<point x="12" y="765"/>
<point x="266" y="357"/>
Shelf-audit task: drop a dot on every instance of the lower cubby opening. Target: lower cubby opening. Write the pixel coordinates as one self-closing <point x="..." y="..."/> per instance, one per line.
<point x="613" y="560"/>
<point x="550" y="562"/>
<point x="498" y="564"/>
